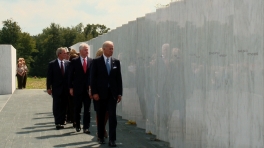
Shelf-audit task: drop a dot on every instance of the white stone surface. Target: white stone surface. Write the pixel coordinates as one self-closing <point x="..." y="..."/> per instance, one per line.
<point x="8" y="69"/>
<point x="193" y="72"/>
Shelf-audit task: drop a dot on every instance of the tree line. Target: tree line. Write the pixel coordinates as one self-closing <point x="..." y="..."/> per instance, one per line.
<point x="39" y="49"/>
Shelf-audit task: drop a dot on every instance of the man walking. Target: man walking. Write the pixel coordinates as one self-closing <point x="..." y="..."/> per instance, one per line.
<point x="106" y="88"/>
<point x="79" y="81"/>
<point x="57" y="86"/>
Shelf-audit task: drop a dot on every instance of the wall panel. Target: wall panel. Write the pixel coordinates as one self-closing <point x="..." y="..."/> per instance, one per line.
<point x="193" y="72"/>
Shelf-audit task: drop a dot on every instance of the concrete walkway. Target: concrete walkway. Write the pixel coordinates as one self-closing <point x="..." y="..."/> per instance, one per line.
<point x="27" y="122"/>
<point x="3" y="100"/>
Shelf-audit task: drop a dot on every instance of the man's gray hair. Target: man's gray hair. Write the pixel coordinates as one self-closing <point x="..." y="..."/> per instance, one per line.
<point x="107" y="43"/>
<point x="67" y="50"/>
<point x="83" y="45"/>
<point x="59" y="50"/>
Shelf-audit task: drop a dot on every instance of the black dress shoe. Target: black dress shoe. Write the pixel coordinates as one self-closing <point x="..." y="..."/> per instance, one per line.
<point x="78" y="129"/>
<point x="101" y="141"/>
<point x="86" y="131"/>
<point x="112" y="144"/>
<point x="58" y="126"/>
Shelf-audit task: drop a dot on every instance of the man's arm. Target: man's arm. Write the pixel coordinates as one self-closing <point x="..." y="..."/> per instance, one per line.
<point x="89" y="73"/>
<point x="119" y="83"/>
<point x="70" y="77"/>
<point x="119" y="80"/>
<point x="89" y="78"/>
<point x="93" y="80"/>
<point x="49" y="79"/>
<point x="93" y="77"/>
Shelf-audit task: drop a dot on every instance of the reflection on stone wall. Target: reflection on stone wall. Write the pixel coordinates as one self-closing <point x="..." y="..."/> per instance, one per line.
<point x="8" y="61"/>
<point x="193" y="72"/>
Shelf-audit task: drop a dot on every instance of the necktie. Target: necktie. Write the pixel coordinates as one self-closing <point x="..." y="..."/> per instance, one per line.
<point x="62" y="68"/>
<point x="108" y="65"/>
<point x="84" y="65"/>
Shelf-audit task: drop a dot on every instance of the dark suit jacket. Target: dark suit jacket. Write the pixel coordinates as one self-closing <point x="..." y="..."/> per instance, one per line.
<point x="100" y="80"/>
<point x="78" y="80"/>
<point x="55" y="80"/>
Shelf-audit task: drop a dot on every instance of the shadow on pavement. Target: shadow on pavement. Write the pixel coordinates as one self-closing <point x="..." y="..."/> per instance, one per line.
<point x="86" y="144"/>
<point x="57" y="136"/>
<point x="44" y="123"/>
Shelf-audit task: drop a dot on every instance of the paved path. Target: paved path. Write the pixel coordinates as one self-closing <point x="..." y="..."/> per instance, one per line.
<point x="3" y="100"/>
<point x="27" y="122"/>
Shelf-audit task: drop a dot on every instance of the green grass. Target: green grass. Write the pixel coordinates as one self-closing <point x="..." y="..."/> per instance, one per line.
<point x="36" y="83"/>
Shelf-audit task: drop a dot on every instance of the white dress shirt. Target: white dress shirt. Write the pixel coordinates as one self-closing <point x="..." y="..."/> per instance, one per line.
<point x="59" y="61"/>
<point x="105" y="58"/>
<point x="84" y="59"/>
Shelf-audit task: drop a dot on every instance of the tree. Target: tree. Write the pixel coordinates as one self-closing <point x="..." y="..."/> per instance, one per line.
<point x="40" y="49"/>
<point x="69" y="35"/>
<point x="94" y="30"/>
<point x="23" y="42"/>
<point x="79" y="38"/>
<point x="26" y="46"/>
<point x="101" y="29"/>
<point x="79" y="28"/>
<point x="0" y="36"/>
<point x="10" y="33"/>
<point x="47" y="44"/>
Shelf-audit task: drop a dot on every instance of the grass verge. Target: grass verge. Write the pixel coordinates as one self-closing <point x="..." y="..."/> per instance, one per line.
<point x="36" y="83"/>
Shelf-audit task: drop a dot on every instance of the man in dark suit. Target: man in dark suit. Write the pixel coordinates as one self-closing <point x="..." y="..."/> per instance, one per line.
<point x="106" y="88"/>
<point x="79" y="81"/>
<point x="57" y="86"/>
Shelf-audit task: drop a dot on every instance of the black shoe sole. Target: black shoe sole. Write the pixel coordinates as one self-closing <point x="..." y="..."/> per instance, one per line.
<point x="78" y="130"/>
<point x="101" y="142"/>
<point x="112" y="145"/>
<point x="87" y="132"/>
<point x="59" y="127"/>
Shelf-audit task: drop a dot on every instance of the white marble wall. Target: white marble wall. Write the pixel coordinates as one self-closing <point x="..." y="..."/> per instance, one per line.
<point x="8" y="69"/>
<point x="193" y="72"/>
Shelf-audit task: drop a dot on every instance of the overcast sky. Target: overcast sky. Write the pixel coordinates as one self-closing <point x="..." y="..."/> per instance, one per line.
<point x="35" y="15"/>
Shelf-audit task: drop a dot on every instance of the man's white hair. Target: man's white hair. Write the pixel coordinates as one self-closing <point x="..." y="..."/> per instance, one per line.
<point x="107" y="43"/>
<point x="82" y="45"/>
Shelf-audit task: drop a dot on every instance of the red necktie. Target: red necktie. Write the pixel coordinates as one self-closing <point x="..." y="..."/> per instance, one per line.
<point x="84" y="66"/>
<point x="62" y="68"/>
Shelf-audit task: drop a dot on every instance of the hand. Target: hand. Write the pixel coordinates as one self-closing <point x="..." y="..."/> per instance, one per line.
<point x="49" y="91"/>
<point x="71" y="91"/>
<point x="96" y="97"/>
<point x="119" y="98"/>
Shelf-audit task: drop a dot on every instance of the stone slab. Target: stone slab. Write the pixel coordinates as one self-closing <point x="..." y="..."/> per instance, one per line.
<point x="8" y="69"/>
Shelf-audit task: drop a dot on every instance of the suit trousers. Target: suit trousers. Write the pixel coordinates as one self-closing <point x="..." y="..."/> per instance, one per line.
<point x="58" y="107"/>
<point x="82" y="99"/>
<point x="104" y="105"/>
<point x="70" y="109"/>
